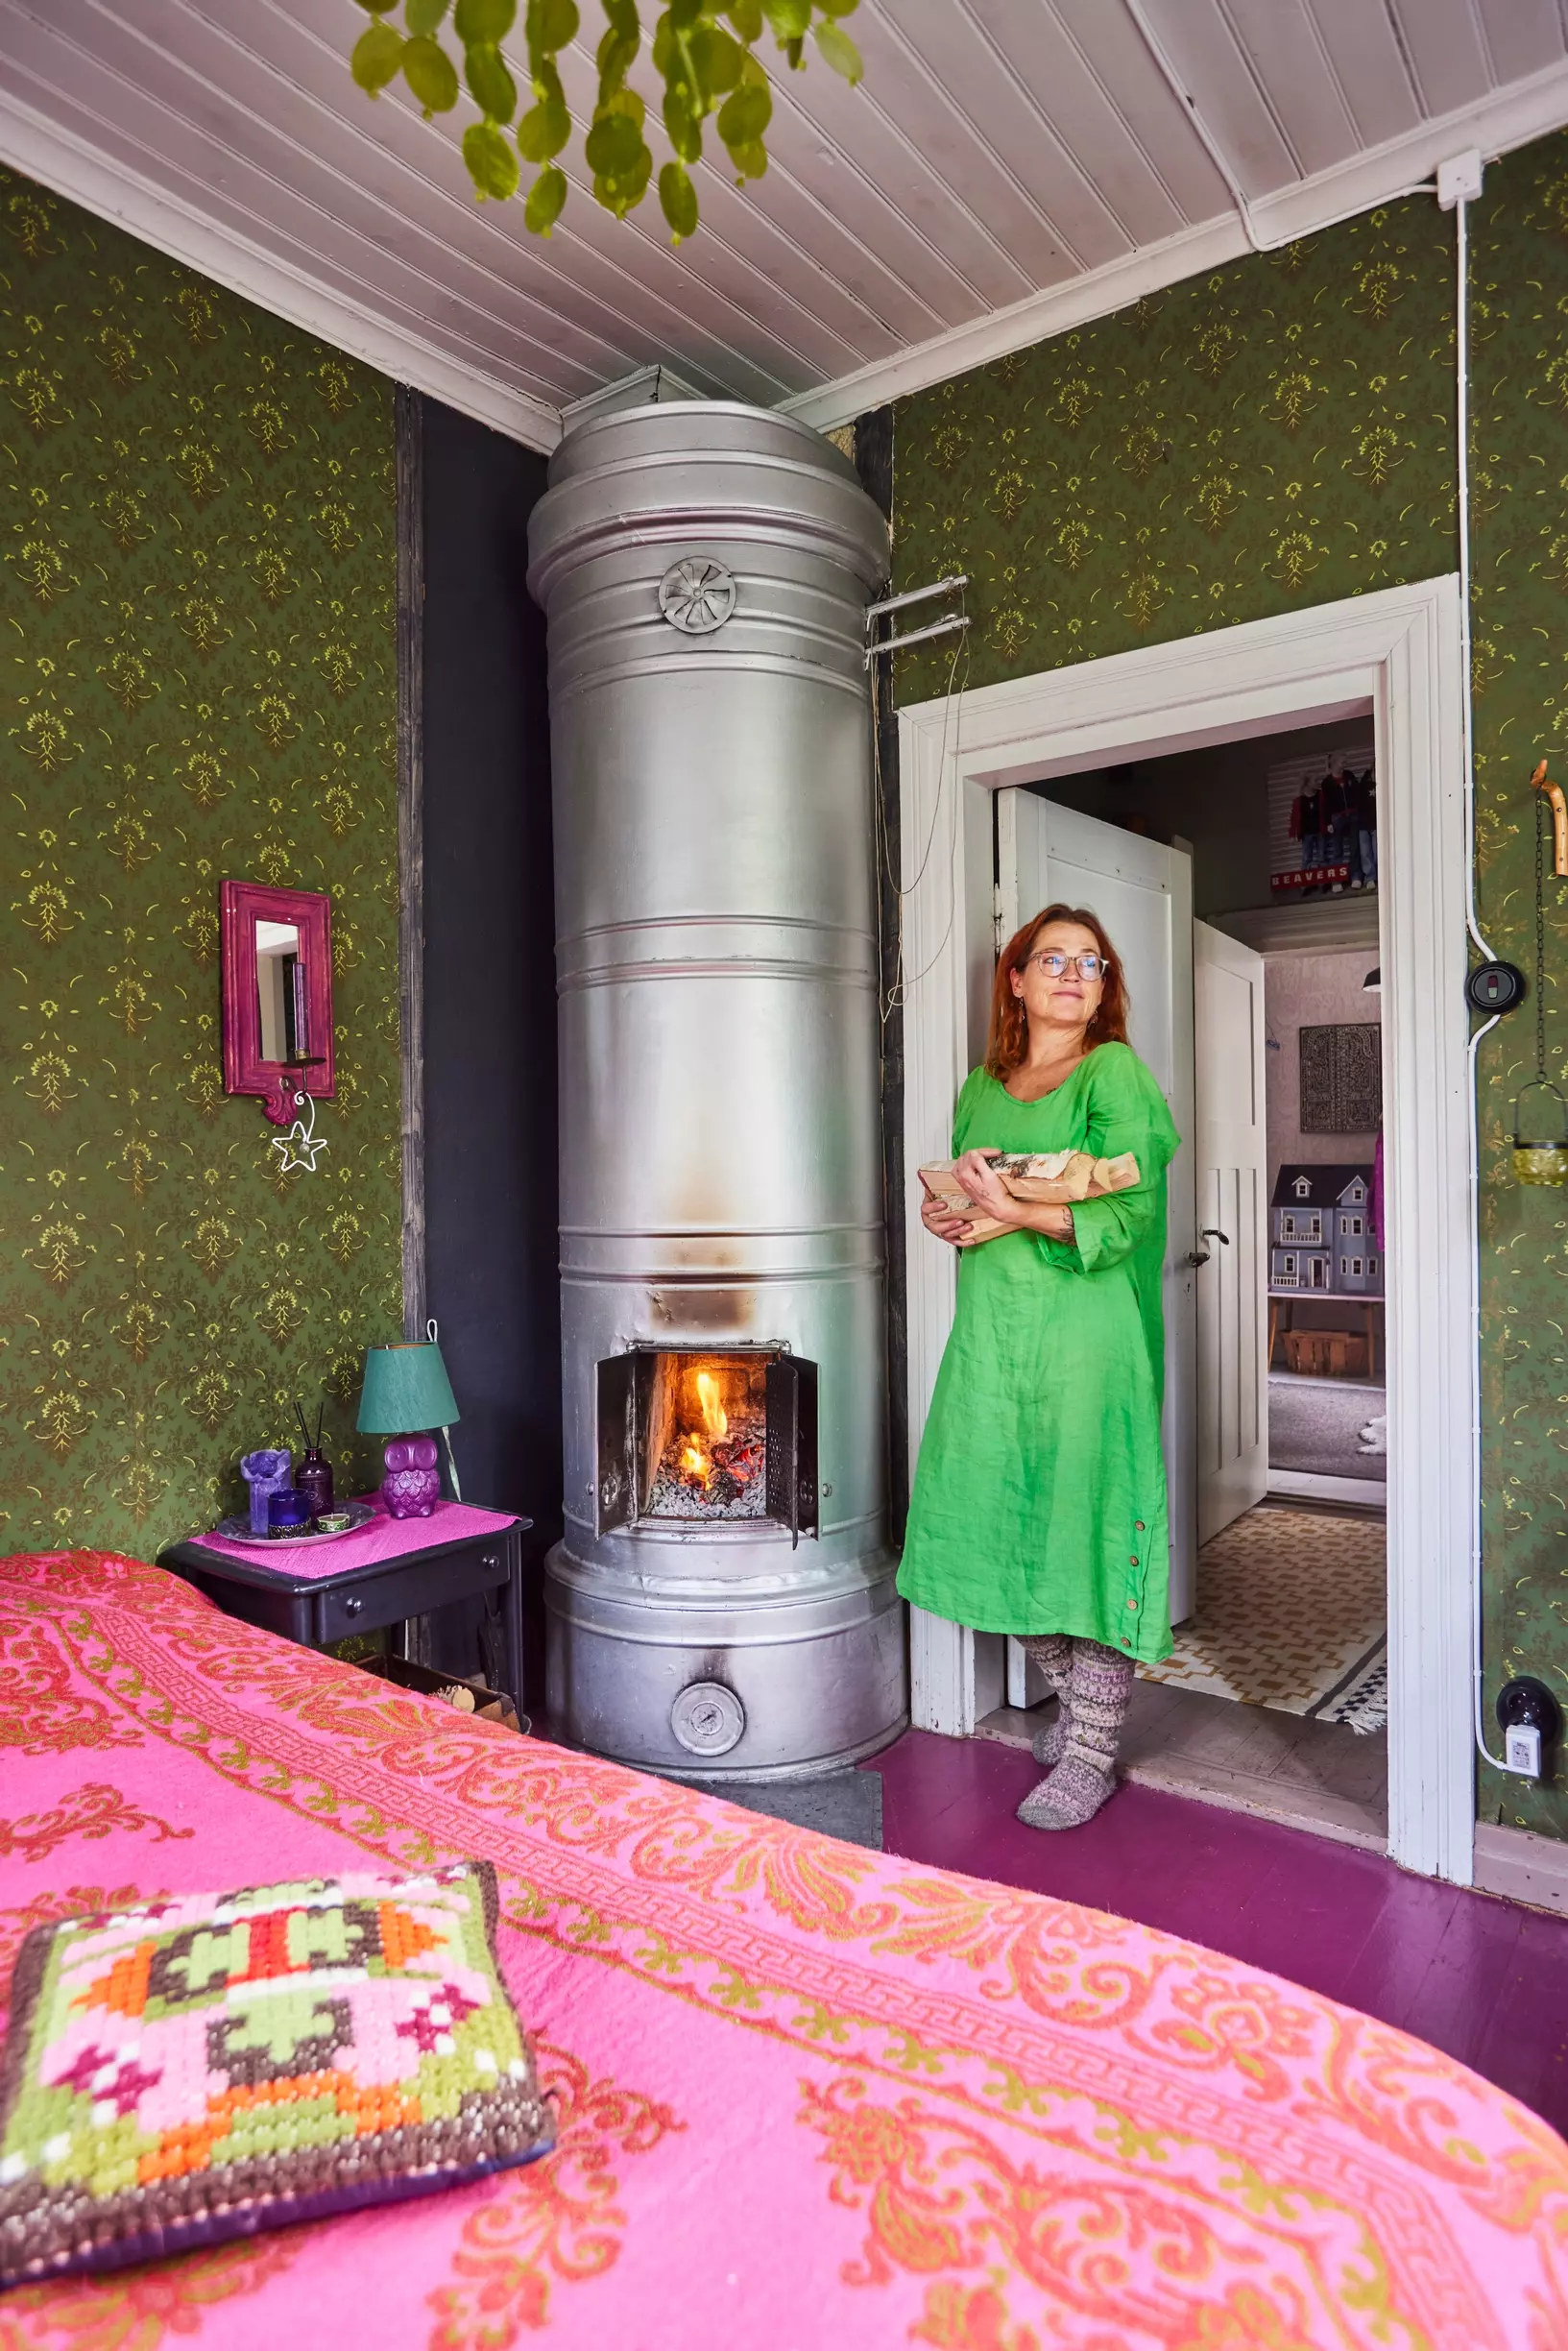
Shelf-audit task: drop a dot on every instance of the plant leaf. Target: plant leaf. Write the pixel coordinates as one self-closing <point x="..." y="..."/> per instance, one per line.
<point x="840" y="52"/>
<point x="492" y="167"/>
<point x="616" y="56"/>
<point x="745" y="114"/>
<point x="376" y="57"/>
<point x="552" y="24"/>
<point x="543" y="130"/>
<point x="719" y="58"/>
<point x="791" y="19"/>
<point x="374" y="7"/>
<point x="684" y="127"/>
<point x="422" y="16"/>
<point x="430" y="75"/>
<point x="619" y="193"/>
<point x="678" y="199"/>
<point x="546" y="199"/>
<point x="613" y="146"/>
<point x="749" y="159"/>
<point x="483" y="20"/>
<point x="746" y="16"/>
<point x="494" y="90"/>
<point x="838" y="7"/>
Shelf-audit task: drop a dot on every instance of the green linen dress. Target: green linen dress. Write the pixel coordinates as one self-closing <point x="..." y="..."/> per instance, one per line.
<point x="1039" y="1502"/>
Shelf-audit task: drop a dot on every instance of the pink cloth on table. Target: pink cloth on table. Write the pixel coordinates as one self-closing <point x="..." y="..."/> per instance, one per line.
<point x="384" y="1539"/>
<point x="805" y="2094"/>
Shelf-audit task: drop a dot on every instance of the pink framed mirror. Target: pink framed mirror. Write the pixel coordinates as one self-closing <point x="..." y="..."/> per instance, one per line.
<point x="276" y="994"/>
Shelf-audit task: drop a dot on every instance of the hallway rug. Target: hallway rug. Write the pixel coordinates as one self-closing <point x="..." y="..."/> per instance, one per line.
<point x="1364" y="1700"/>
<point x="1316" y="1424"/>
<point x="1290" y="1602"/>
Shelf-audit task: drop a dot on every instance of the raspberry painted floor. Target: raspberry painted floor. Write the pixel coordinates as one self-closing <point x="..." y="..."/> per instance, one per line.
<point x="1479" y="1978"/>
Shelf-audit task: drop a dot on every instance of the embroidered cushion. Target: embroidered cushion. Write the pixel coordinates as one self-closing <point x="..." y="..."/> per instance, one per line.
<point x="212" y="2065"/>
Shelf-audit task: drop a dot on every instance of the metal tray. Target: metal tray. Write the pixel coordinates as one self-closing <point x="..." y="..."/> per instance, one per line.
<point x="239" y="1531"/>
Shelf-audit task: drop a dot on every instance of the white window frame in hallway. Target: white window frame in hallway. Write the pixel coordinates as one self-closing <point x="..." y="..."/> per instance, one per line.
<point x="1398" y="650"/>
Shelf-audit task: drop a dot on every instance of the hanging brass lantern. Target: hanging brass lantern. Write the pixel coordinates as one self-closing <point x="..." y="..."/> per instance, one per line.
<point x="1542" y="1163"/>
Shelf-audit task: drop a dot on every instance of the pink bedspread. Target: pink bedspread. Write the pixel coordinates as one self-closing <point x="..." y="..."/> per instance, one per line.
<point x="806" y="2095"/>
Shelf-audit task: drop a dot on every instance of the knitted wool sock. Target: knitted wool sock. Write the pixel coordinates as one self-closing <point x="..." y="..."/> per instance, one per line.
<point x="1052" y="1654"/>
<point x="1101" y="1689"/>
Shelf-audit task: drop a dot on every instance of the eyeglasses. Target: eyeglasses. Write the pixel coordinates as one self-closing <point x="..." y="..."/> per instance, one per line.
<point x="1055" y="965"/>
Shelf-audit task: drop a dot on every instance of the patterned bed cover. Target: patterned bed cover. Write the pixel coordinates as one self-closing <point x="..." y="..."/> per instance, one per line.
<point x="806" y="2095"/>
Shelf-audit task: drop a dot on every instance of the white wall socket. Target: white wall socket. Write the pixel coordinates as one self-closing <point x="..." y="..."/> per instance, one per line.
<point x="1522" y="1750"/>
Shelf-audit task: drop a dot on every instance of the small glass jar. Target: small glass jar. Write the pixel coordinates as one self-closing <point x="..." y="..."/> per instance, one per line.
<point x="314" y="1477"/>
<point x="288" y="1513"/>
<point x="1542" y="1163"/>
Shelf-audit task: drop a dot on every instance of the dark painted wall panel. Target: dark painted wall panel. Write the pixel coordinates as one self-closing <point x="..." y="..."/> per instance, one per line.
<point x="489" y="1059"/>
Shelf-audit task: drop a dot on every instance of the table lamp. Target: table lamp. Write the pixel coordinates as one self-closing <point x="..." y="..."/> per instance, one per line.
<point x="407" y="1395"/>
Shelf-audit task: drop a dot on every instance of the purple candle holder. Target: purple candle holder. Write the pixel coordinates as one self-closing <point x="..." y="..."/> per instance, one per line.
<point x="265" y="1474"/>
<point x="410" y="1487"/>
<point x="288" y="1512"/>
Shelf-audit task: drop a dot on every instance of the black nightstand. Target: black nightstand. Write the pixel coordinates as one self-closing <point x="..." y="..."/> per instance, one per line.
<point x="318" y="1610"/>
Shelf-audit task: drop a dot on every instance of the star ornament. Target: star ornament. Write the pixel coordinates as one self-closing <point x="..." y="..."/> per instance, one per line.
<point x="301" y="1146"/>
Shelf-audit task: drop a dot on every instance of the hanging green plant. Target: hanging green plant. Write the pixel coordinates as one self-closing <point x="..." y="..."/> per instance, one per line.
<point x="702" y="53"/>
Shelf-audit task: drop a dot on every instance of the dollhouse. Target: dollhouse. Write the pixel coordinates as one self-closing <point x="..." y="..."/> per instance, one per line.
<point x="1322" y="1239"/>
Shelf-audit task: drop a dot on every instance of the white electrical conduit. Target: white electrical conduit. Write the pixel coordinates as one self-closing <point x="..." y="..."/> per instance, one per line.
<point x="1238" y="195"/>
<point x="1472" y="922"/>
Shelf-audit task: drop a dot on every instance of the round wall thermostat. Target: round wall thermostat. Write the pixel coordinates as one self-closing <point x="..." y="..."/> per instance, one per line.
<point x="1495" y="987"/>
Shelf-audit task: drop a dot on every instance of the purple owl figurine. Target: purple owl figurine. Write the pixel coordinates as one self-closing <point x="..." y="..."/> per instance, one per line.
<point x="265" y="1474"/>
<point x="410" y="1487"/>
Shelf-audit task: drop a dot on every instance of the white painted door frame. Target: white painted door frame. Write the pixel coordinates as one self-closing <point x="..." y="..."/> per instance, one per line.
<point x="1398" y="652"/>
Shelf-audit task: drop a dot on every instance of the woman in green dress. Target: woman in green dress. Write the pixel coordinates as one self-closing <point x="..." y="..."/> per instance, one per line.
<point x="1039" y="1503"/>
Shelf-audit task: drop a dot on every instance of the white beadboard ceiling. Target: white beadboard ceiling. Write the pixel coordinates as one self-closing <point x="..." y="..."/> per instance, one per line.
<point x="1008" y="168"/>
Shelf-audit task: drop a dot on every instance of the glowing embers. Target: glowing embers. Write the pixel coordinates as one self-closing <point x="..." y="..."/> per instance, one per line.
<point x="705" y="1442"/>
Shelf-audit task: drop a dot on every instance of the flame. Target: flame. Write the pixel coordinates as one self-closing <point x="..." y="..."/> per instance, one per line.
<point x="715" y="1418"/>
<point x="695" y="1463"/>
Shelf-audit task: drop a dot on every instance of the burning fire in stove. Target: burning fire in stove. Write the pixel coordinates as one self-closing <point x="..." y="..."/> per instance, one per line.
<point x="713" y="1459"/>
<point x="698" y="1467"/>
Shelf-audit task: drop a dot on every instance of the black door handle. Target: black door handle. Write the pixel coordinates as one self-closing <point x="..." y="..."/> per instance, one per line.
<point x="1201" y="1256"/>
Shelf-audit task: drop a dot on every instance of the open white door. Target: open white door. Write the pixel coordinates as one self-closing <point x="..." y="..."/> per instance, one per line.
<point x="1232" y="1184"/>
<point x="1142" y="893"/>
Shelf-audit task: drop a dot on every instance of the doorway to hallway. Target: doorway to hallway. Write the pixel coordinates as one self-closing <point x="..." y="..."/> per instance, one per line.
<point x="1392" y="659"/>
<point x="1275" y="1697"/>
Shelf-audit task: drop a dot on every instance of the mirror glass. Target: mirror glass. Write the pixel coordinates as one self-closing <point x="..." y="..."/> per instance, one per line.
<point x="280" y="992"/>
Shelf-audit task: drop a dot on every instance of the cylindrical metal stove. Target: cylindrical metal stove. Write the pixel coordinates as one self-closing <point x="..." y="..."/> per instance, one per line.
<point x="723" y="1599"/>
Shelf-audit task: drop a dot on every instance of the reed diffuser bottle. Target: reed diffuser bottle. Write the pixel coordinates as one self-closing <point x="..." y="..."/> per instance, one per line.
<point x="314" y="1474"/>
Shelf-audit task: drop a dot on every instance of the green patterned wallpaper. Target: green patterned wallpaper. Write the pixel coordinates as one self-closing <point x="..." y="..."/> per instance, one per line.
<point x="197" y="679"/>
<point x="1275" y="435"/>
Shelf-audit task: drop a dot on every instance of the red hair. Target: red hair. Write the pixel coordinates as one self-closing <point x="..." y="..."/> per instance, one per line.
<point x="1007" y="1045"/>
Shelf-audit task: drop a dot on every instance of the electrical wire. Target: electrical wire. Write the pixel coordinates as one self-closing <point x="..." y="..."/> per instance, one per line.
<point x="1472" y="924"/>
<point x="1218" y="157"/>
<point x="899" y="987"/>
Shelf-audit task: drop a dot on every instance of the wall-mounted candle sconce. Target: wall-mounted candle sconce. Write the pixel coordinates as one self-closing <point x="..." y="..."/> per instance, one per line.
<point x="277" y="1006"/>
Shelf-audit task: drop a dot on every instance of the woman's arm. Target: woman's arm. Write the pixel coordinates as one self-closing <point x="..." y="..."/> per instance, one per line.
<point x="991" y="1196"/>
<point x="1128" y="1113"/>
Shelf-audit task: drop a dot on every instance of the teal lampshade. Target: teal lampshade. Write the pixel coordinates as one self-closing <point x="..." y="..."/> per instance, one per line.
<point x="406" y="1388"/>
